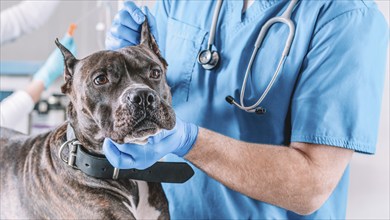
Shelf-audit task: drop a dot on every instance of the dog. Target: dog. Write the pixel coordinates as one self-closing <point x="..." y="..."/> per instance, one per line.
<point x="122" y="95"/>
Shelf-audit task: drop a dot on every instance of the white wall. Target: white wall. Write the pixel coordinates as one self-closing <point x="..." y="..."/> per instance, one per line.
<point x="39" y="44"/>
<point x="369" y="191"/>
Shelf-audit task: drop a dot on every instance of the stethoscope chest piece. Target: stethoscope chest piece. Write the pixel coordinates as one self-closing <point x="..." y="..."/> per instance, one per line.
<point x="208" y="59"/>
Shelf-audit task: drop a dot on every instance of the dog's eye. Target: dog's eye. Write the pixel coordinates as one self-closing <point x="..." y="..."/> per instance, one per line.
<point x="155" y="74"/>
<point x="101" y="80"/>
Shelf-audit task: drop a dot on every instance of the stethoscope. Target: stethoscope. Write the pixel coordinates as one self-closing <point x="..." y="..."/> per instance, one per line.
<point x="209" y="58"/>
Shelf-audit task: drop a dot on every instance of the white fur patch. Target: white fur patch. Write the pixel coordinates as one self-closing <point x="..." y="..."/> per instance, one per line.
<point x="143" y="210"/>
<point x="141" y="140"/>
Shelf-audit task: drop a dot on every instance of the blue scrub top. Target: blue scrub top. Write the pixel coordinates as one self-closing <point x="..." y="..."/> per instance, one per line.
<point x="328" y="92"/>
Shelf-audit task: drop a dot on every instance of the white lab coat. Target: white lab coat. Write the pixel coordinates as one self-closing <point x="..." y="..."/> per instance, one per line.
<point x="15" y="109"/>
<point x="24" y="18"/>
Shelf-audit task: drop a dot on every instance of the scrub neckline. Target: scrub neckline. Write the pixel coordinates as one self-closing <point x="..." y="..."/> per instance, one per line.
<point x="235" y="14"/>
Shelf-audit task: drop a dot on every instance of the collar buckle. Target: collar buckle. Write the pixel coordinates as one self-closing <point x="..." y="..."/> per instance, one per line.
<point x="72" y="146"/>
<point x="115" y="174"/>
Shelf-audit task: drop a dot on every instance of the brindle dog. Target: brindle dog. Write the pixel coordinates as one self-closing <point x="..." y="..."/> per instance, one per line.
<point x="120" y="94"/>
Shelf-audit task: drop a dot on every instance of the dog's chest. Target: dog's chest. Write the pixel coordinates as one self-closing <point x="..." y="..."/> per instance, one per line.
<point x="36" y="186"/>
<point x="123" y="199"/>
<point x="143" y="208"/>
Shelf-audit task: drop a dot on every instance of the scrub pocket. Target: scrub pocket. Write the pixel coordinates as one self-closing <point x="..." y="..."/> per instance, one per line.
<point x="182" y="47"/>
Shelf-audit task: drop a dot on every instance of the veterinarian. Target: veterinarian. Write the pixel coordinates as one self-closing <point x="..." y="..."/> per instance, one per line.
<point x="288" y="157"/>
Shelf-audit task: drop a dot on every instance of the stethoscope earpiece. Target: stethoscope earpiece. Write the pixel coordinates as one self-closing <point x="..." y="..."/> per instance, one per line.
<point x="208" y="59"/>
<point x="258" y="110"/>
<point x="229" y="99"/>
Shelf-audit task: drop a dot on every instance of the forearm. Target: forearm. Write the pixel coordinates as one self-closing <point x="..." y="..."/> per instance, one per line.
<point x="283" y="176"/>
<point x="35" y="89"/>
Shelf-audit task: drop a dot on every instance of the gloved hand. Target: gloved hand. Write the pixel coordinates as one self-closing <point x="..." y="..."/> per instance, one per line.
<point x="178" y="141"/>
<point x="126" y="26"/>
<point x="54" y="65"/>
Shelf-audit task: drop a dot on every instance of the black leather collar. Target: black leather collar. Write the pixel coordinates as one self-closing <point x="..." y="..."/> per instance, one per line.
<point x="98" y="166"/>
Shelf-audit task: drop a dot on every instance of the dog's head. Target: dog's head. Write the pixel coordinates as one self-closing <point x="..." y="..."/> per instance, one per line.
<point x="122" y="95"/>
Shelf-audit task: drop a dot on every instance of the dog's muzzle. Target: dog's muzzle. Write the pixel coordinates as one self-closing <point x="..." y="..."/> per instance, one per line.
<point x="143" y="113"/>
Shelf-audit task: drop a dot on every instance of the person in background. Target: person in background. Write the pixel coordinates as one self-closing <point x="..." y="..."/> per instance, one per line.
<point x="24" y="17"/>
<point x="15" y="22"/>
<point x="21" y="103"/>
<point x="291" y="162"/>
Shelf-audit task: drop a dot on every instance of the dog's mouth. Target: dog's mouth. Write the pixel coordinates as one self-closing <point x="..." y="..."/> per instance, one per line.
<point x="142" y="131"/>
<point x="132" y="127"/>
<point x="145" y="128"/>
<point x="141" y="136"/>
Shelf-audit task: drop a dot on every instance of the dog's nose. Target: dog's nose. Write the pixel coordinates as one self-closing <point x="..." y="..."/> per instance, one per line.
<point x="141" y="98"/>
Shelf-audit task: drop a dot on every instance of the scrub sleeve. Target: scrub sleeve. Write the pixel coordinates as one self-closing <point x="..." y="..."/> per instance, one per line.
<point x="337" y="99"/>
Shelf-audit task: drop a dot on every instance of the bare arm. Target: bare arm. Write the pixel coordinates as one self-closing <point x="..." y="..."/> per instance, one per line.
<point x="35" y="89"/>
<point x="299" y="178"/>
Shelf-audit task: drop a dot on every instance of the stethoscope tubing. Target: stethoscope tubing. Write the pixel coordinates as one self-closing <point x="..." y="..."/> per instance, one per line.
<point x="263" y="32"/>
<point x="214" y="24"/>
<point x="285" y="18"/>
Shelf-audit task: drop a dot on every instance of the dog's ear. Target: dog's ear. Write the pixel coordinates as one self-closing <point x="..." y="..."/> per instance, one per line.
<point x="148" y="40"/>
<point x="69" y="64"/>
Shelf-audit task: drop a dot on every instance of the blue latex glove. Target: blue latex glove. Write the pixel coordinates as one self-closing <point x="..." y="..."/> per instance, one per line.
<point x="126" y="26"/>
<point x="178" y="141"/>
<point x="54" y="65"/>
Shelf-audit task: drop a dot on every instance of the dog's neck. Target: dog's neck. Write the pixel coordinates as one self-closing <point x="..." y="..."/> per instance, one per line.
<point x="94" y="146"/>
<point x="87" y="136"/>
